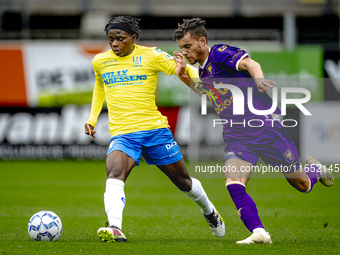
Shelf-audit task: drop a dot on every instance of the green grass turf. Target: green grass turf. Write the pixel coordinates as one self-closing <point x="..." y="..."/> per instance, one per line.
<point x="158" y="219"/>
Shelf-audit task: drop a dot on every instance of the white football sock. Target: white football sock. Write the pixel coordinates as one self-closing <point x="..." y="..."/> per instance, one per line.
<point x="199" y="196"/>
<point x="114" y="201"/>
<point x="260" y="230"/>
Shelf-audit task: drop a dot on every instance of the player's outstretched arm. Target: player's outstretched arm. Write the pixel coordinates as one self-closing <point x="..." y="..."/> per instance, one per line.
<point x="255" y="71"/>
<point x="186" y="73"/>
<point x="96" y="106"/>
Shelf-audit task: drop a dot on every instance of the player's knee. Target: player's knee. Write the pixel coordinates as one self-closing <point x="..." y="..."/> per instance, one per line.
<point x="185" y="184"/>
<point x="113" y="175"/>
<point x="115" y="172"/>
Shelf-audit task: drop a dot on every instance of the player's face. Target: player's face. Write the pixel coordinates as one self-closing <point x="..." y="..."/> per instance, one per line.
<point x="121" y="42"/>
<point x="192" y="48"/>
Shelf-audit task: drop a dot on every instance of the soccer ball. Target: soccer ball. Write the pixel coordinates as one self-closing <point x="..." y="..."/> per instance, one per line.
<point x="45" y="226"/>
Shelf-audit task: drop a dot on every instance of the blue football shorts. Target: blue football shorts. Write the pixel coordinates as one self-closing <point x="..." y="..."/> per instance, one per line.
<point x="157" y="146"/>
<point x="274" y="146"/>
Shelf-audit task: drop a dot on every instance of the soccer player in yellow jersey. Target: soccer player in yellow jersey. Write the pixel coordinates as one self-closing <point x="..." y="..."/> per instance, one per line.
<point x="126" y="76"/>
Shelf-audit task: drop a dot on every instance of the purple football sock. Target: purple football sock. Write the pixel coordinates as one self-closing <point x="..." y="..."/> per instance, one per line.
<point x="314" y="174"/>
<point x="245" y="205"/>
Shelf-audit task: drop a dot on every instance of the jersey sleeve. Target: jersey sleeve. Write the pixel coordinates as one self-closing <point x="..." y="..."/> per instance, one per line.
<point x="229" y="56"/>
<point x="193" y="73"/>
<point x="97" y="98"/>
<point x="164" y="62"/>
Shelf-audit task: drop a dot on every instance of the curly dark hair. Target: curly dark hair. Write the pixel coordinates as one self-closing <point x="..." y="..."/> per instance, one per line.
<point x="194" y="26"/>
<point x="132" y="23"/>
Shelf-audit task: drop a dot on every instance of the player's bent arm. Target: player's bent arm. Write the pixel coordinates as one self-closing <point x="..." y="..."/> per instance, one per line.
<point x="193" y="73"/>
<point x="252" y="67"/>
<point x="184" y="77"/>
<point x="194" y="78"/>
<point x="255" y="71"/>
<point x="190" y="77"/>
<point x="165" y="63"/>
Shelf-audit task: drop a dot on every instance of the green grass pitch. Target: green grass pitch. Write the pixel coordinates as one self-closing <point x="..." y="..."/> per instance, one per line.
<point x="158" y="218"/>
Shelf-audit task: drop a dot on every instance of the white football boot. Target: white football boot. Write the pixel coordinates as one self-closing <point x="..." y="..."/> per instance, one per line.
<point x="110" y="235"/>
<point x="257" y="237"/>
<point x="326" y="177"/>
<point x="216" y="223"/>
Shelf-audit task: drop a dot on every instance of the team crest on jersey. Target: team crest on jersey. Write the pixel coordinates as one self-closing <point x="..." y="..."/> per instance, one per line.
<point x="210" y="70"/>
<point x="289" y="156"/>
<point x="222" y="48"/>
<point x="137" y="60"/>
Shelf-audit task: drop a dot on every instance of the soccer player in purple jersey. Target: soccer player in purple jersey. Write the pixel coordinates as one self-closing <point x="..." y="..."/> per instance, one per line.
<point x="225" y="64"/>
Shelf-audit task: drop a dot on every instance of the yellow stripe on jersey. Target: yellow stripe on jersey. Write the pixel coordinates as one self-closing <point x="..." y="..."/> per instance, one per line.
<point x="129" y="83"/>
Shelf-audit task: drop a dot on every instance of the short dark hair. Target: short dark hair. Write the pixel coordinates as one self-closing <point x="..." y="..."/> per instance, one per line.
<point x="194" y="26"/>
<point x="132" y="23"/>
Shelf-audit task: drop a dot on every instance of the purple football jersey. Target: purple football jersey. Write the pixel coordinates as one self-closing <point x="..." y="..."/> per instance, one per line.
<point x="221" y="67"/>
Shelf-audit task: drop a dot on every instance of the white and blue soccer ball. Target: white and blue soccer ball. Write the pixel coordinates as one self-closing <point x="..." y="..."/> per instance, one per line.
<point x="45" y="226"/>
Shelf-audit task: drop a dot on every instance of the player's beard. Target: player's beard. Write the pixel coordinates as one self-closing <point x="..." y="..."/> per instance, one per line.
<point x="192" y="60"/>
<point x="199" y="55"/>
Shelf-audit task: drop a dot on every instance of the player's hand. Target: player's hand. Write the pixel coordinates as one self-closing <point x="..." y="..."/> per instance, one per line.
<point x="89" y="130"/>
<point x="263" y="84"/>
<point x="180" y="63"/>
<point x="198" y="89"/>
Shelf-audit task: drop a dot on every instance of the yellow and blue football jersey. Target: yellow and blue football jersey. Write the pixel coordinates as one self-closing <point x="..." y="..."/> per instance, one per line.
<point x="128" y="84"/>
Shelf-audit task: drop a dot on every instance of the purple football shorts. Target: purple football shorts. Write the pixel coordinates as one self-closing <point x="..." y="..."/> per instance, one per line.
<point x="274" y="146"/>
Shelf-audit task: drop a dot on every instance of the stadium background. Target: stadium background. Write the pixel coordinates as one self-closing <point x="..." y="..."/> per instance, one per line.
<point x="46" y="161"/>
<point x="46" y="77"/>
